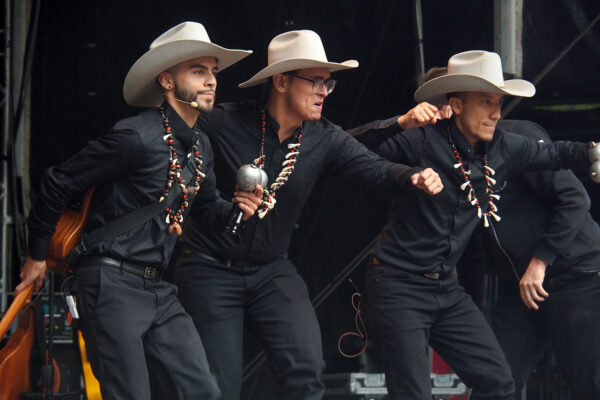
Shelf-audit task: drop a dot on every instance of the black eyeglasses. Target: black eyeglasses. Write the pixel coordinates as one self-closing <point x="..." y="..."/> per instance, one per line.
<point x="318" y="84"/>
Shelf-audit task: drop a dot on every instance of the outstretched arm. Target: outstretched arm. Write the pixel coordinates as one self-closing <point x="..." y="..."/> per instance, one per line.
<point x="351" y="159"/>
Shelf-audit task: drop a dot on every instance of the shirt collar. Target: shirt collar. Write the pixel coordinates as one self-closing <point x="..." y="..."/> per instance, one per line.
<point x="273" y="125"/>
<point x="461" y="142"/>
<point x="180" y="129"/>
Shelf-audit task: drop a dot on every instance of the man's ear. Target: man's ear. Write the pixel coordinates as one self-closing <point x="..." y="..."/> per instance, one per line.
<point x="456" y="104"/>
<point x="280" y="83"/>
<point x="165" y="80"/>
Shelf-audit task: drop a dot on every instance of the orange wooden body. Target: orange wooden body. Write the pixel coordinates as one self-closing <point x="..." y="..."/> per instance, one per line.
<point x="67" y="234"/>
<point x="15" y="355"/>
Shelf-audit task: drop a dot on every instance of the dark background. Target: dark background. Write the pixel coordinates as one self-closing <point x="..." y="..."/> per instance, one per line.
<point x="84" y="50"/>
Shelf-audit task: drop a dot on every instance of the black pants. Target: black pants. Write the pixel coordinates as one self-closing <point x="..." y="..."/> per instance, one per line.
<point x="569" y="319"/>
<point x="141" y="343"/>
<point x="410" y="312"/>
<point x="273" y="301"/>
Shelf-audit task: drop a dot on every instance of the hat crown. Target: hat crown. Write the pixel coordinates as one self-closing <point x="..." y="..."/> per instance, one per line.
<point x="302" y="44"/>
<point x="479" y="63"/>
<point x="185" y="31"/>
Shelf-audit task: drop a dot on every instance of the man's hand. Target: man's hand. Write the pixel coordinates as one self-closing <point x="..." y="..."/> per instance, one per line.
<point x="33" y="272"/>
<point x="427" y="180"/>
<point x="530" y="285"/>
<point x="444" y="112"/>
<point x="248" y="202"/>
<point x="423" y="114"/>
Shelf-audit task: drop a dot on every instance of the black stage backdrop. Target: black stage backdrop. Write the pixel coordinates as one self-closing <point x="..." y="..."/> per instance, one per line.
<point x="85" y="49"/>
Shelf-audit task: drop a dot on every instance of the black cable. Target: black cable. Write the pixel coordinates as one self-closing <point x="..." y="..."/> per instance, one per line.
<point x="551" y="65"/>
<point x="374" y="60"/>
<point x="15" y="186"/>
<point x="27" y="64"/>
<point x="350" y="122"/>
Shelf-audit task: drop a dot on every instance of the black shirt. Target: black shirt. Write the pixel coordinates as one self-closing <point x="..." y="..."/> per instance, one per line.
<point x="235" y="133"/>
<point x="128" y="168"/>
<point x="546" y="215"/>
<point x="427" y="234"/>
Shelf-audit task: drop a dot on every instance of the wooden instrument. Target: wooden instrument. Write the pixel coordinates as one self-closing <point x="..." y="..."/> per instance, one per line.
<point x="15" y="355"/>
<point x="67" y="234"/>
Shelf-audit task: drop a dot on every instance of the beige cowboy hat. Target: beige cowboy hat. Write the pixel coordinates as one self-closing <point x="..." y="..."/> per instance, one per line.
<point x="472" y="71"/>
<point x="183" y="42"/>
<point x="295" y="50"/>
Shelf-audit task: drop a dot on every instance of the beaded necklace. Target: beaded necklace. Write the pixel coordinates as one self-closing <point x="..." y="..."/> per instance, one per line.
<point x="466" y="186"/>
<point x="287" y="168"/>
<point x="174" y="217"/>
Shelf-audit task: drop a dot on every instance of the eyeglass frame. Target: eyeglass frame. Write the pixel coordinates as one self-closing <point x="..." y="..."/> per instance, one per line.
<point x="317" y="84"/>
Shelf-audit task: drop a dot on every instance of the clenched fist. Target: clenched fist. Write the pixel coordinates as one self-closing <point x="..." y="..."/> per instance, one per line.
<point x="427" y="180"/>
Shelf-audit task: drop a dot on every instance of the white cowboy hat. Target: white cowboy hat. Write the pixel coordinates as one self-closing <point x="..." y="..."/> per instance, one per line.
<point x="472" y="71"/>
<point x="183" y="42"/>
<point x="295" y="50"/>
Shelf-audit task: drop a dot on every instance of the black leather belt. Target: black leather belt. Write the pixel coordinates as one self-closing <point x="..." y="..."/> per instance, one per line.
<point x="151" y="273"/>
<point x="224" y="261"/>
<point x="436" y="276"/>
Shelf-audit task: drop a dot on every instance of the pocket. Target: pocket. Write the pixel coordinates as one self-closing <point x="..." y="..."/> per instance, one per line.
<point x="375" y="273"/>
<point x="400" y="276"/>
<point x="86" y="287"/>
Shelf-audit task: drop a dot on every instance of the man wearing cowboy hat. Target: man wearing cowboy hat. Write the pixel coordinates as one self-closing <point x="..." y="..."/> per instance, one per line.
<point x="138" y="336"/>
<point x="414" y="297"/>
<point x="546" y="254"/>
<point x="547" y="247"/>
<point x="224" y="281"/>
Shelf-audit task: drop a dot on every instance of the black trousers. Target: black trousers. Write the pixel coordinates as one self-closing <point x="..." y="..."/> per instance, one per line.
<point x="141" y="343"/>
<point x="272" y="302"/>
<point x="569" y="319"/>
<point x="410" y="312"/>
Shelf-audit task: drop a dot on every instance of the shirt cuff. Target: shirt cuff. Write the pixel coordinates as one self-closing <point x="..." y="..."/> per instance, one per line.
<point x="545" y="254"/>
<point x="38" y="248"/>
<point x="402" y="174"/>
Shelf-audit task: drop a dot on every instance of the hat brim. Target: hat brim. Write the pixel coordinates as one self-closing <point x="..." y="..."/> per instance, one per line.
<point x="435" y="90"/>
<point x="140" y="87"/>
<point x="292" y="65"/>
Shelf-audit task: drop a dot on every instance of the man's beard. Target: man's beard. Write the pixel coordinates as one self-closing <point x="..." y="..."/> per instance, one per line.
<point x="188" y="96"/>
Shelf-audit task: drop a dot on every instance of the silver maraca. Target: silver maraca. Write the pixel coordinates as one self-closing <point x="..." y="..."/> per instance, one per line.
<point x="594" y="156"/>
<point x="247" y="177"/>
<point x="250" y="175"/>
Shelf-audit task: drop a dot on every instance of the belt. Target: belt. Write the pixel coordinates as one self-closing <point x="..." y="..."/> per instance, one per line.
<point x="224" y="261"/>
<point x="150" y="273"/>
<point x="436" y="276"/>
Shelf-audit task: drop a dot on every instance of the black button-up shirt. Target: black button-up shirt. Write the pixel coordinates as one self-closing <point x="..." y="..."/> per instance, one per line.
<point x="546" y="215"/>
<point x="235" y="133"/>
<point x="128" y="168"/>
<point x="427" y="234"/>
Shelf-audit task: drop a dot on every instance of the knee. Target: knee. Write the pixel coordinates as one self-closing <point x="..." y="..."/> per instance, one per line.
<point x="212" y="392"/>
<point x="495" y="385"/>
<point x="305" y="362"/>
<point x="205" y="389"/>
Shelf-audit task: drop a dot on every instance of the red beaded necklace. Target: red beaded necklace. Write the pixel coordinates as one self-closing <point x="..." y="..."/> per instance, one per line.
<point x="287" y="168"/>
<point x="466" y="186"/>
<point x="174" y="216"/>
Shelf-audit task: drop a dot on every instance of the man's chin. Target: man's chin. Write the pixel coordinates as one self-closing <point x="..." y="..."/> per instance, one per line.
<point x="314" y="117"/>
<point x="205" y="106"/>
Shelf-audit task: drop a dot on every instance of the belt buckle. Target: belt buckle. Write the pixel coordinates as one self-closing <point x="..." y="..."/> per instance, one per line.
<point x="434" y="276"/>
<point x="149" y="273"/>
